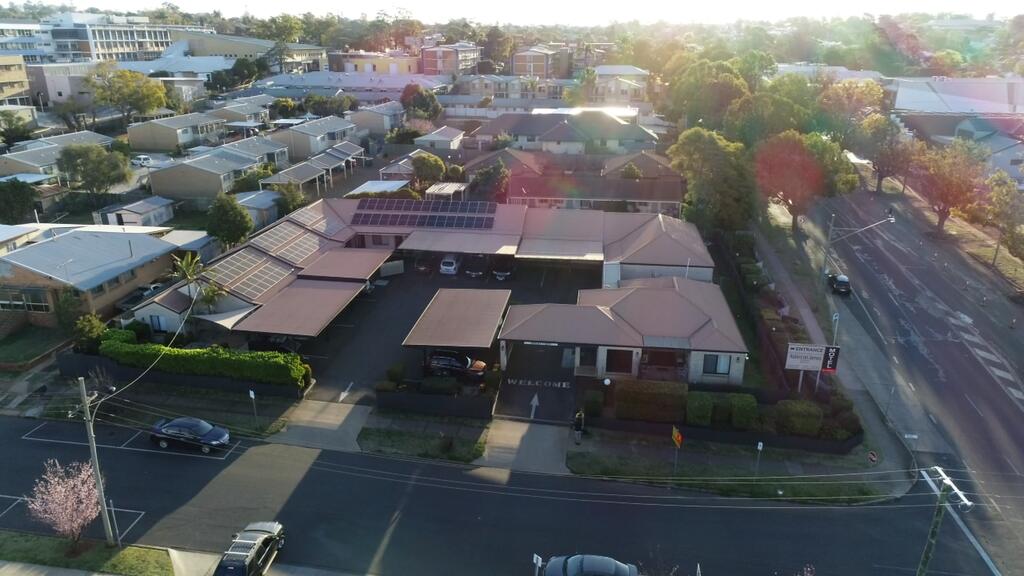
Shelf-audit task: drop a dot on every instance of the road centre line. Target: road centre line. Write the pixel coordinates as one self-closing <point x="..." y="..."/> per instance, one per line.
<point x="963" y="527"/>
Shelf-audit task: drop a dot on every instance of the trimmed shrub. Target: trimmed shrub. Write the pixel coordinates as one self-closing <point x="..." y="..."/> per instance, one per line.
<point x="721" y="411"/>
<point x="799" y="417"/>
<point x="269" y="367"/>
<point x="751" y="270"/>
<point x="755" y="283"/>
<point x="699" y="406"/>
<point x="89" y="330"/>
<point x="119" y="335"/>
<point x="650" y="401"/>
<point x="850" y="422"/>
<point x="744" y="411"/>
<point x="767" y="417"/>
<point x="831" y="430"/>
<point x="839" y="403"/>
<point x="396" y="372"/>
<point x="385" y="386"/>
<point x="742" y="244"/>
<point x="593" y="403"/>
<point x="444" y="385"/>
<point x="142" y="330"/>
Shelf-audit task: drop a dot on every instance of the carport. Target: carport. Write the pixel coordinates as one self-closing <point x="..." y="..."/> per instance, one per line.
<point x="299" y="174"/>
<point x="450" y="241"/>
<point x="304" y="308"/>
<point x="459" y="318"/>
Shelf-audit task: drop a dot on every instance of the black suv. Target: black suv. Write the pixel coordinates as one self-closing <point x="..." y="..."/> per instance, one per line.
<point x="451" y="363"/>
<point x="840" y="284"/>
<point x="252" y="550"/>
<point x="476" y="266"/>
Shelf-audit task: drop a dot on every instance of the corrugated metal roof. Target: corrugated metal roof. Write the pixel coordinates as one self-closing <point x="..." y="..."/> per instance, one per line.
<point x="303" y="308"/>
<point x="322" y="126"/>
<point x="147" y="205"/>
<point x="259" y="200"/>
<point x="187" y="120"/>
<point x="87" y="259"/>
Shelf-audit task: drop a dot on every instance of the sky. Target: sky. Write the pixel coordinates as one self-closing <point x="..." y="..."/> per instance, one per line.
<point x="594" y="12"/>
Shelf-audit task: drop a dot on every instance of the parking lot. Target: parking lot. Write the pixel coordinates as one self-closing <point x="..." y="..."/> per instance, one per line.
<point x="365" y="339"/>
<point x="116" y="437"/>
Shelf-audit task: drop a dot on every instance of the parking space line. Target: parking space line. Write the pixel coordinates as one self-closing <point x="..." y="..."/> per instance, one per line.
<point x="17" y="500"/>
<point x="233" y="446"/>
<point x="113" y="447"/>
<point x="134" y="522"/>
<point x="33" y="430"/>
<point x="128" y="441"/>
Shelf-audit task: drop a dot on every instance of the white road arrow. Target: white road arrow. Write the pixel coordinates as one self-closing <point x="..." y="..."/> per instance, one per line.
<point x="533" y="405"/>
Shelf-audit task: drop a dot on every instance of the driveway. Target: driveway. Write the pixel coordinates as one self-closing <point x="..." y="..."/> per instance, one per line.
<point x="364" y="340"/>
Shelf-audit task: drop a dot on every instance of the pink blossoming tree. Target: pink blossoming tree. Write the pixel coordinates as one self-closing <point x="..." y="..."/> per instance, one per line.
<point x="65" y="499"/>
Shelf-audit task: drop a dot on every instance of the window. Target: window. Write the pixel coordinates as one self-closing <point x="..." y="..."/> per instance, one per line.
<point x="32" y="300"/>
<point x="717" y="363"/>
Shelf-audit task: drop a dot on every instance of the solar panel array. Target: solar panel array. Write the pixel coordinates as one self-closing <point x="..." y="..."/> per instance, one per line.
<point x="278" y="236"/>
<point x="423" y="220"/>
<point x="302" y="248"/>
<point x="264" y="278"/>
<point x="235" y="266"/>
<point x="309" y="214"/>
<point x="442" y="206"/>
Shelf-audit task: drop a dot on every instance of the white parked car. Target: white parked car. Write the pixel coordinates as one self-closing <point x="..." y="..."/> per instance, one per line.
<point x="450" y="264"/>
<point x="142" y="160"/>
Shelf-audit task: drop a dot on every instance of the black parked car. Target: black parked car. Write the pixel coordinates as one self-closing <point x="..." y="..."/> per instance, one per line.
<point x="476" y="266"/>
<point x="587" y="565"/>
<point x="451" y="363"/>
<point x="190" y="432"/>
<point x="840" y="284"/>
<point x="252" y="550"/>
<point x="425" y="263"/>
<point x="502" y="267"/>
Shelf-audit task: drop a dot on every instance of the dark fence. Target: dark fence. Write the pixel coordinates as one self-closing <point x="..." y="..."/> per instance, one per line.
<point x="740" y="437"/>
<point x="438" y="404"/>
<point x="74" y="365"/>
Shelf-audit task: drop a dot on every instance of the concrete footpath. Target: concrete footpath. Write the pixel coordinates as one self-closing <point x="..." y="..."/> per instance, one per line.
<point x="865" y="387"/>
<point x="526" y="446"/>
<point x="323" y="425"/>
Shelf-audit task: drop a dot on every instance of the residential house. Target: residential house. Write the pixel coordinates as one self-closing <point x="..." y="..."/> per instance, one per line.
<point x="957" y="95"/>
<point x="151" y="211"/>
<point x="445" y="138"/>
<point x="260" y="149"/>
<point x="196" y="242"/>
<point x="450" y="59"/>
<point x="1001" y="136"/>
<point x="544" y="180"/>
<point x="379" y="119"/>
<point x="100" y="268"/>
<point x="668" y="328"/>
<point x="620" y="91"/>
<point x="49" y="193"/>
<point x="242" y="112"/>
<point x="296" y="57"/>
<point x="176" y="132"/>
<point x="311" y="138"/>
<point x="13" y="237"/>
<point x="498" y="87"/>
<point x="587" y="131"/>
<point x="14" y="87"/>
<point x="199" y="180"/>
<point x="39" y="156"/>
<point x="373" y="62"/>
<point x="402" y="167"/>
<point x="621" y="71"/>
<point x="261" y="206"/>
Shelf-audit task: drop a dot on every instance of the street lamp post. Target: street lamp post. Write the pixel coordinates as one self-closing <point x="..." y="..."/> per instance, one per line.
<point x="826" y="250"/>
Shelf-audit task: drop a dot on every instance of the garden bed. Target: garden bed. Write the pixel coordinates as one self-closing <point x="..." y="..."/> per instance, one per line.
<point x="28" y="346"/>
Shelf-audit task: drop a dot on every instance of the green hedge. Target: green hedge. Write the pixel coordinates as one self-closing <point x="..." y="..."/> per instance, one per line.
<point x="721" y="410"/>
<point x="799" y="417"/>
<point x="440" y="385"/>
<point x="744" y="411"/>
<point x="270" y="367"/>
<point x="650" y="401"/>
<point x="385" y="386"/>
<point x="396" y="372"/>
<point x="118" y="335"/>
<point x="699" y="406"/>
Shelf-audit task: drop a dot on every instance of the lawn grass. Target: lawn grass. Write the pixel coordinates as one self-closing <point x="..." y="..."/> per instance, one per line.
<point x="49" y="551"/>
<point x="28" y="343"/>
<point x="739" y="483"/>
<point x="188" y="220"/>
<point x="421" y="444"/>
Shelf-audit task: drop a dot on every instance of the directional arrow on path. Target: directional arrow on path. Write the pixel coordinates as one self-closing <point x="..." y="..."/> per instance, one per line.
<point x="533" y="405"/>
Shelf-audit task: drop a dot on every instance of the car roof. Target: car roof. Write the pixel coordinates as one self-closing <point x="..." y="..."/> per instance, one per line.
<point x="185" y="421"/>
<point x="269" y="527"/>
<point x="843" y="278"/>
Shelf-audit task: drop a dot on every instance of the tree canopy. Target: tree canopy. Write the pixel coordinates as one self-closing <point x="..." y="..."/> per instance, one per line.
<point x="951" y="178"/>
<point x="93" y="167"/>
<point x="1005" y="207"/>
<point x="125" y="90"/>
<point x="228" y="221"/>
<point x="719" y="190"/>
<point x="786" y="170"/>
<point x="420" y="102"/>
<point x="18" y="200"/>
<point x="428" y="168"/>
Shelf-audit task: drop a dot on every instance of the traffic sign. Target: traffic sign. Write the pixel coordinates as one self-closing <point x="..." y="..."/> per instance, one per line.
<point x="677" y="437"/>
<point x="872" y="456"/>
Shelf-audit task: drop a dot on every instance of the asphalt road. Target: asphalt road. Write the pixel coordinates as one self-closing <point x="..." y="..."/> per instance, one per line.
<point x="946" y="325"/>
<point x="362" y="513"/>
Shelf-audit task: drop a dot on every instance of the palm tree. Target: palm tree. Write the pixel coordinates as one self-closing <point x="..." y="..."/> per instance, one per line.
<point x="188" y="268"/>
<point x="209" y="295"/>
